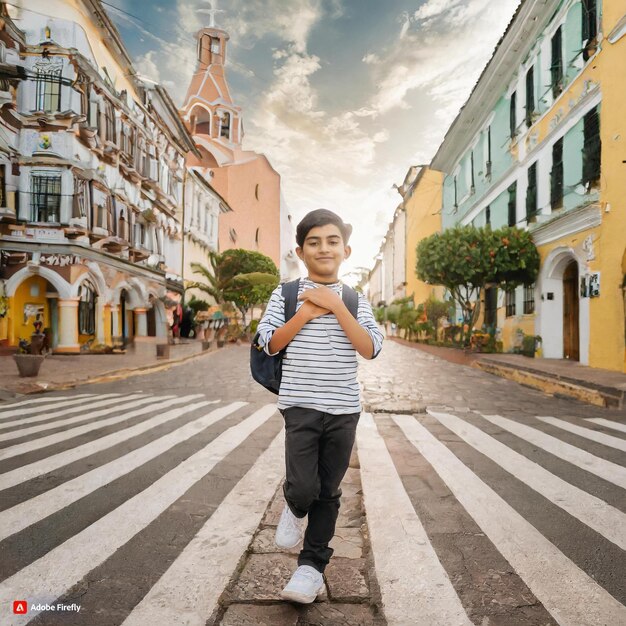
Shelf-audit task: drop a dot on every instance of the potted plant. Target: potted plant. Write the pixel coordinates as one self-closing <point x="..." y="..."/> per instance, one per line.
<point x="29" y="355"/>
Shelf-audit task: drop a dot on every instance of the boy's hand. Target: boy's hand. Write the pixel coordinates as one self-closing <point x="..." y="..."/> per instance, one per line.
<point x="311" y="311"/>
<point x="322" y="297"/>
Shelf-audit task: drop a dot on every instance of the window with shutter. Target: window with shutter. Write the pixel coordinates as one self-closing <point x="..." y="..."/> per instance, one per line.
<point x="513" y="204"/>
<point x="530" y="96"/>
<point x="556" y="175"/>
<point x="80" y="204"/>
<point x="94" y="115"/>
<point x="531" y="193"/>
<point x="46" y="197"/>
<point x="456" y="195"/>
<point x="109" y="120"/>
<point x="529" y="299"/>
<point x="513" y="115"/>
<point x="510" y="303"/>
<point x="556" y="67"/>
<point x="589" y="27"/>
<point x="592" y="148"/>
<point x="488" y="163"/>
<point x="48" y="86"/>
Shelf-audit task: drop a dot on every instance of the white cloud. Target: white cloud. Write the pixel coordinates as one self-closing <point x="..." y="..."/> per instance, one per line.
<point x="381" y="136"/>
<point x="291" y="92"/>
<point x="433" y="8"/>
<point x="146" y="66"/>
<point x="370" y="58"/>
<point x="406" y="22"/>
<point x="443" y="52"/>
<point x="248" y="21"/>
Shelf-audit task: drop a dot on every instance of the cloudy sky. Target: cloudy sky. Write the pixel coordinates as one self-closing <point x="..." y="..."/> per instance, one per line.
<point x="341" y="95"/>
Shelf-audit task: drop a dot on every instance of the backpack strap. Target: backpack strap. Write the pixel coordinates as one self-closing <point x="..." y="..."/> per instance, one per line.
<point x="290" y="293"/>
<point x="351" y="299"/>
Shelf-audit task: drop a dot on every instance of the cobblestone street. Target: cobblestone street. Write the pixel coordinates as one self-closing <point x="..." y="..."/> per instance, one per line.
<point x="448" y="460"/>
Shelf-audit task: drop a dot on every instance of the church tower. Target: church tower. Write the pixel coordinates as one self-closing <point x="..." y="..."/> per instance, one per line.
<point x="208" y="106"/>
<point x="245" y="179"/>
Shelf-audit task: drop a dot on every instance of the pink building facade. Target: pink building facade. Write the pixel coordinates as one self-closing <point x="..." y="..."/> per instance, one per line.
<point x="245" y="179"/>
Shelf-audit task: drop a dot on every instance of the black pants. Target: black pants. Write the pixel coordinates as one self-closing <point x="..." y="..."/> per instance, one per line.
<point x="317" y="453"/>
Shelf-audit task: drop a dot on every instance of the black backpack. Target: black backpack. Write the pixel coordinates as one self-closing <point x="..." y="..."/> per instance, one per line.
<point x="267" y="370"/>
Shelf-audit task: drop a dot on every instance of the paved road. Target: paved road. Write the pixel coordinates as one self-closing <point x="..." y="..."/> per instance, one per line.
<point x="137" y="500"/>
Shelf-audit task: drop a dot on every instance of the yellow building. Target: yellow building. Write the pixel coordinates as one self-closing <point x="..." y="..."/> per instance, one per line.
<point x="422" y="202"/>
<point x="539" y="145"/>
<point x="587" y="264"/>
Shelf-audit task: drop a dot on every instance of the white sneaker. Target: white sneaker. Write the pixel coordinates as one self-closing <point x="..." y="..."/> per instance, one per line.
<point x="289" y="530"/>
<point x="304" y="585"/>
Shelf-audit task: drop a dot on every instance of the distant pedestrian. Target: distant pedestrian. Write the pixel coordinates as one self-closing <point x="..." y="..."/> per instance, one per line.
<point x="319" y="394"/>
<point x="176" y="320"/>
<point x="186" y="323"/>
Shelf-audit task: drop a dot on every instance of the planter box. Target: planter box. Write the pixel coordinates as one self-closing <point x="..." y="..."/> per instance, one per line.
<point x="163" y="351"/>
<point x="28" y="364"/>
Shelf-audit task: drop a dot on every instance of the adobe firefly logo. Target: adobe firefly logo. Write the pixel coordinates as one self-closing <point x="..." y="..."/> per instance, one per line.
<point x="20" y="607"/>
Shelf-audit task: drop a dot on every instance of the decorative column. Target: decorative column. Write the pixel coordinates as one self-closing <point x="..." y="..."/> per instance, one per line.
<point x="101" y="311"/>
<point x="106" y="324"/>
<point x="141" y="322"/>
<point x="68" y="325"/>
<point x="115" y="321"/>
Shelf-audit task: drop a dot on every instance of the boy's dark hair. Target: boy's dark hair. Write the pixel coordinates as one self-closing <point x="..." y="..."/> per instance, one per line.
<point x="321" y="217"/>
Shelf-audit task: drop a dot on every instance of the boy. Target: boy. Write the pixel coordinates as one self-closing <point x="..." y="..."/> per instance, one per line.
<point x="319" y="394"/>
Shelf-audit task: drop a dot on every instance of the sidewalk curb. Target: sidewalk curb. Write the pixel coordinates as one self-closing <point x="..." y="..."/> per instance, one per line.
<point x="549" y="384"/>
<point x="122" y="373"/>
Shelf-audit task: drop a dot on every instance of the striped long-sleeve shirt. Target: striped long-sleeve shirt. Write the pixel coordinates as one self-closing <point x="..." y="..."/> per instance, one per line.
<point x="319" y="365"/>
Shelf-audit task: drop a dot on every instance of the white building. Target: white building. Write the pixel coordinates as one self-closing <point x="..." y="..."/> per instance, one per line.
<point x="90" y="224"/>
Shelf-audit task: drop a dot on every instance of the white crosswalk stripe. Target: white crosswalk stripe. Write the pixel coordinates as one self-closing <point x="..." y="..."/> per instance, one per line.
<point x="50" y="576"/>
<point x="608" y="423"/>
<point x="55" y="461"/>
<point x="588" y="433"/>
<point x="37" y="401"/>
<point x="411" y="578"/>
<point x="46" y="404"/>
<point x="91" y="403"/>
<point x="611" y="472"/>
<point x="110" y="408"/>
<point x="597" y="514"/>
<point x="14" y="519"/>
<point x="538" y="562"/>
<point x="42" y="442"/>
<point x="178" y="599"/>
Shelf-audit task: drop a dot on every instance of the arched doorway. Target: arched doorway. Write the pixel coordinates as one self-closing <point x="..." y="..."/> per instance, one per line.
<point x="151" y="318"/>
<point x="571" y="315"/>
<point x="34" y="300"/>
<point x="87" y="305"/>
<point x="123" y="316"/>
<point x="200" y="120"/>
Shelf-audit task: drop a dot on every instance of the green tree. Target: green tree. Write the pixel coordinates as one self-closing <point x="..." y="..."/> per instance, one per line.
<point x="214" y="282"/>
<point x="436" y="309"/>
<point x="465" y="259"/>
<point x="243" y="277"/>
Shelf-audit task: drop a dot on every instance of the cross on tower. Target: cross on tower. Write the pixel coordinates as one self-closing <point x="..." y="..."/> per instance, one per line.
<point x="211" y="12"/>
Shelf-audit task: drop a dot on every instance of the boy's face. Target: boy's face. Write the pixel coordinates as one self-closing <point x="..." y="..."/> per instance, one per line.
<point x="323" y="252"/>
